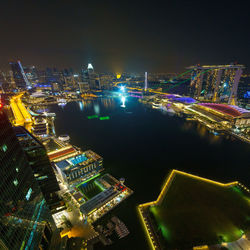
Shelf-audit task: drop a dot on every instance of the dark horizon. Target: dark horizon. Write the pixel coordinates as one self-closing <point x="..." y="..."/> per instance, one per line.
<point x="124" y="36"/>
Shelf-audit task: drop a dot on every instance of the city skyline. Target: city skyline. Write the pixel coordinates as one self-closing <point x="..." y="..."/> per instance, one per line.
<point x="118" y="37"/>
<point x="124" y="125"/>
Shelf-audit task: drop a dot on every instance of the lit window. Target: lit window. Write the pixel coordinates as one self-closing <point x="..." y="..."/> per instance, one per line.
<point x="15" y="182"/>
<point x="28" y="194"/>
<point x="4" y="148"/>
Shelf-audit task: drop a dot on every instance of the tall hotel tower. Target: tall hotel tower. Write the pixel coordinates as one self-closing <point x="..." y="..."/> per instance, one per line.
<point x="217" y="83"/>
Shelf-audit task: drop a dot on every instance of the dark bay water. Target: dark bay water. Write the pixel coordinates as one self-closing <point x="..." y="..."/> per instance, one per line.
<point x="143" y="145"/>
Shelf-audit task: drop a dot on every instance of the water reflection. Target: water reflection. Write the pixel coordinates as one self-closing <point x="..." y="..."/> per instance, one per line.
<point x="87" y="103"/>
<point x="111" y="103"/>
<point x="202" y="131"/>
<point x="123" y="100"/>
<point x="97" y="108"/>
<point x="81" y="105"/>
<point x="108" y="102"/>
<point x="84" y="104"/>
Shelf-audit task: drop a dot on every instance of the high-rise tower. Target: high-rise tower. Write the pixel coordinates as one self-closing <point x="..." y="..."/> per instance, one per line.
<point x="90" y="68"/>
<point x="25" y="220"/>
<point x="89" y="76"/>
<point x="217" y="83"/>
<point x="19" y="76"/>
<point x="39" y="162"/>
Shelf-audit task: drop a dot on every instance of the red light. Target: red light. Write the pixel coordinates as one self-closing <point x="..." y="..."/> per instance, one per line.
<point x="1" y="105"/>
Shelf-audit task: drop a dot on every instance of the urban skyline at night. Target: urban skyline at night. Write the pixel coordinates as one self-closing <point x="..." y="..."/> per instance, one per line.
<point x="124" y="125"/>
<point x="124" y="36"/>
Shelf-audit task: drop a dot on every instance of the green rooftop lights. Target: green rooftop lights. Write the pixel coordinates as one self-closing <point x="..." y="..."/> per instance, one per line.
<point x="87" y="180"/>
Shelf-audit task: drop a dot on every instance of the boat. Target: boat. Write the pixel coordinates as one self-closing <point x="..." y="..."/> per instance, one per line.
<point x="64" y="138"/>
<point x="61" y="102"/>
<point x="156" y="105"/>
<point x="120" y="227"/>
<point x="168" y="109"/>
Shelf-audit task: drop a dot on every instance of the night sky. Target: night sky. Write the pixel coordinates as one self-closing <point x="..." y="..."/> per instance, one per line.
<point x="123" y="35"/>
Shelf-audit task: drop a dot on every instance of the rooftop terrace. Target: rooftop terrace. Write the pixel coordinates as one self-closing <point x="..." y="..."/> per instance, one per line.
<point x="80" y="159"/>
<point x="193" y="211"/>
<point x="98" y="200"/>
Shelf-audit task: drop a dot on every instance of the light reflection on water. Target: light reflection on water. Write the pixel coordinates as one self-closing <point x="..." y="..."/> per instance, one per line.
<point x="123" y="100"/>
<point x="94" y="105"/>
<point x="97" y="108"/>
<point x="85" y="104"/>
<point x="202" y="131"/>
<point x="142" y="145"/>
<point x="81" y="105"/>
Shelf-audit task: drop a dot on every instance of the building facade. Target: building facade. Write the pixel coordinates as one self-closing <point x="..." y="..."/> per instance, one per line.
<point x="25" y="220"/>
<point x="217" y="83"/>
<point x="39" y="162"/>
<point x="21" y="81"/>
<point x="80" y="167"/>
<point x="244" y="92"/>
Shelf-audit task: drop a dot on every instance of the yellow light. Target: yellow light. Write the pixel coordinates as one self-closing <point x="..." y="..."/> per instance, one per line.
<point x="92" y="211"/>
<point x="118" y="76"/>
<point x="64" y="233"/>
<point x="201" y="247"/>
<point x="20" y="112"/>
<point x="146" y="229"/>
<point x="162" y="194"/>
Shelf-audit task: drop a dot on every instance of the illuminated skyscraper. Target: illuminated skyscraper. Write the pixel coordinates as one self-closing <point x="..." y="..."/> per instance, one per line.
<point x="39" y="162"/>
<point x="90" y="77"/>
<point x="146" y="81"/>
<point x="31" y="73"/>
<point x="244" y="92"/>
<point x="217" y="83"/>
<point x="90" y="68"/>
<point x="25" y="220"/>
<point x="4" y="86"/>
<point x="19" y="76"/>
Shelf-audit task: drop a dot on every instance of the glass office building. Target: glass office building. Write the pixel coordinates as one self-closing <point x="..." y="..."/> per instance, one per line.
<point x="39" y="162"/>
<point x="25" y="220"/>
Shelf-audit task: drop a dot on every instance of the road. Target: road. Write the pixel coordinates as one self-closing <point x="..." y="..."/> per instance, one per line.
<point x="21" y="115"/>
